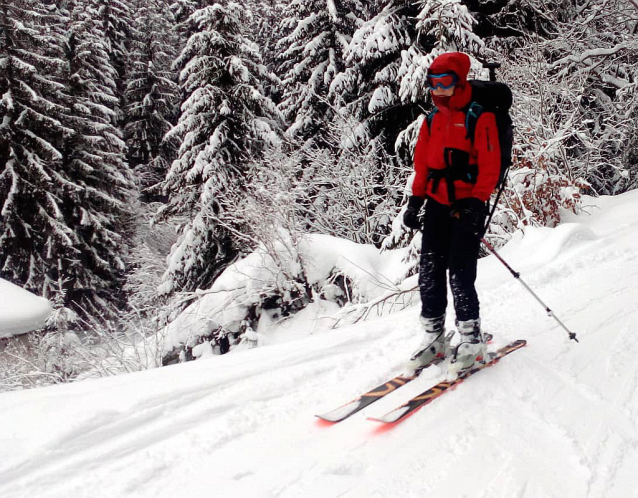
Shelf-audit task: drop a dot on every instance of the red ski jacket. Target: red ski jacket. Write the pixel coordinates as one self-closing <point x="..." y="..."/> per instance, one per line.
<point x="447" y="131"/>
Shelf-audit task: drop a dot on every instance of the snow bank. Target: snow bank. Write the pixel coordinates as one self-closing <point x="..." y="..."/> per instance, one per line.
<point x="20" y="310"/>
<point x="369" y="271"/>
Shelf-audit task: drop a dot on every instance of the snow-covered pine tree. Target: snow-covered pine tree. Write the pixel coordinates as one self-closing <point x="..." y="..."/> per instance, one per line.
<point x="311" y="55"/>
<point x="368" y="87"/>
<point x="118" y="24"/>
<point x="267" y="16"/>
<point x="151" y="95"/>
<point x="33" y="229"/>
<point x="99" y="184"/>
<point x="226" y="121"/>
<point x="181" y="10"/>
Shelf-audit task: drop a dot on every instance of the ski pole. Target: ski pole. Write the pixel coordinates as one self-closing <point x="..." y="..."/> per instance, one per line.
<point x="517" y="276"/>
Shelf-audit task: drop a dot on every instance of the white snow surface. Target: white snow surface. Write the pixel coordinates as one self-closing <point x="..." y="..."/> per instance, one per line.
<point x="555" y="419"/>
<point x="20" y="310"/>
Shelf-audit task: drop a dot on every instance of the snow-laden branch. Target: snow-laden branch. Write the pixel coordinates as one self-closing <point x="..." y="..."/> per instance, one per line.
<point x="593" y="53"/>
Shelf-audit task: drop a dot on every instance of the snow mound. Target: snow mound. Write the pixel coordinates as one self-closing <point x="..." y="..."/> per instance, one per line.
<point x="321" y="258"/>
<point x="20" y="310"/>
<point x="538" y="246"/>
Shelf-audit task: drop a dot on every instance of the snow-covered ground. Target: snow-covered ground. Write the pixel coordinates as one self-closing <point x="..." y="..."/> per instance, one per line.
<point x="556" y="419"/>
<point x="20" y="310"/>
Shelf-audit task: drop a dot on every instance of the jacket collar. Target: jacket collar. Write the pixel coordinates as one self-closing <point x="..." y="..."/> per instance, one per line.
<point x="458" y="101"/>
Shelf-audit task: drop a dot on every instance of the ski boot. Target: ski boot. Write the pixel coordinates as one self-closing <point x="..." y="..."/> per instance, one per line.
<point x="435" y="346"/>
<point x="471" y="349"/>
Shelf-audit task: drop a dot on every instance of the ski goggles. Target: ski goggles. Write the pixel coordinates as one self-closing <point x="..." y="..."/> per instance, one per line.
<point x="445" y="81"/>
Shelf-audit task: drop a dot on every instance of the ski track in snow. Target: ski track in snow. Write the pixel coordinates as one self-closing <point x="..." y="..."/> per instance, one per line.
<point x="555" y="419"/>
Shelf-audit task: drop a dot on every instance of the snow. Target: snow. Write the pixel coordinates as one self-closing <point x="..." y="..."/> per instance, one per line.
<point x="20" y="310"/>
<point x="244" y="283"/>
<point x="555" y="419"/>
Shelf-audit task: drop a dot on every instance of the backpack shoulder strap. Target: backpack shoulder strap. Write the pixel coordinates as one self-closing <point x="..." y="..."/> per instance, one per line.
<point x="472" y="116"/>
<point x="429" y="118"/>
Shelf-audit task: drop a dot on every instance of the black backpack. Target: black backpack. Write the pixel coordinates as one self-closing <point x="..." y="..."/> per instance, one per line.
<point x="495" y="97"/>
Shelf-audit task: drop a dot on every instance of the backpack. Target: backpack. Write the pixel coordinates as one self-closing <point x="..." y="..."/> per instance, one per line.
<point x="494" y="97"/>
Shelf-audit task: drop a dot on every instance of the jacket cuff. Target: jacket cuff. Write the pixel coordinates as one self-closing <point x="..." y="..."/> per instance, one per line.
<point x="415" y="202"/>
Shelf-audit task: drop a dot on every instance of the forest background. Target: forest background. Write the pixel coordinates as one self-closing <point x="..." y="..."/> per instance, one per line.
<point x="147" y="145"/>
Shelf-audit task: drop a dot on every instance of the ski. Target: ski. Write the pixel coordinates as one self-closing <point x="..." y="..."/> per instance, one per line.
<point x="435" y="391"/>
<point x="358" y="404"/>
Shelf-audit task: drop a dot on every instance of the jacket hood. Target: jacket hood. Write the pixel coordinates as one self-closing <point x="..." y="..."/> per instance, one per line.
<point x="458" y="63"/>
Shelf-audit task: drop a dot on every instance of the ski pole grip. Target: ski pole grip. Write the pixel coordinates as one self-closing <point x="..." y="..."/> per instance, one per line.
<point x="492" y="66"/>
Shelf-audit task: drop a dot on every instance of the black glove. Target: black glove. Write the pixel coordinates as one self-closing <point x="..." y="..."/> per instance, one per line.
<point x="411" y="215"/>
<point x="471" y="215"/>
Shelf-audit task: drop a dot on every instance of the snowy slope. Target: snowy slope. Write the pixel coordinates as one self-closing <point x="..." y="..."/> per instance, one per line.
<point x="556" y="419"/>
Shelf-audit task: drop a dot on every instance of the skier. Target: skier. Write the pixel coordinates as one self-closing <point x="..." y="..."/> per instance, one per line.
<point x="457" y="176"/>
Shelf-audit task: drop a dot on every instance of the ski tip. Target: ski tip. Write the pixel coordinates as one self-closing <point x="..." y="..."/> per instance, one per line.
<point x="328" y="419"/>
<point x="382" y="427"/>
<point x="391" y="417"/>
<point x="381" y="420"/>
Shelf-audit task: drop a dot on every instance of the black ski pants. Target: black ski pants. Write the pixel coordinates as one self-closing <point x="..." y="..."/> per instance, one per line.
<point x="447" y="247"/>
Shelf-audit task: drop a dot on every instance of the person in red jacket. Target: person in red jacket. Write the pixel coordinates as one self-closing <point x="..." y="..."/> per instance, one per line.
<point x="457" y="176"/>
